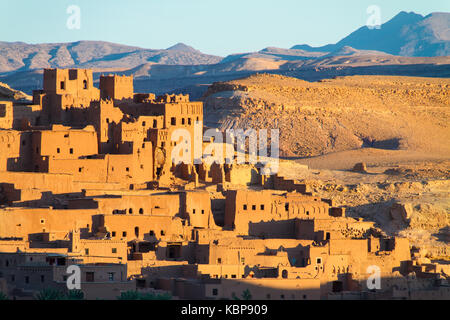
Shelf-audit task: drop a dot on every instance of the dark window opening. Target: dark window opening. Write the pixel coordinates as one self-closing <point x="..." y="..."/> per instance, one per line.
<point x="62" y="85"/>
<point x="215" y="292"/>
<point x="71" y="150"/>
<point x="245" y="207"/>
<point x="89" y="276"/>
<point x="85" y="85"/>
<point x="338" y="286"/>
<point x="262" y="207"/>
<point x="173" y="121"/>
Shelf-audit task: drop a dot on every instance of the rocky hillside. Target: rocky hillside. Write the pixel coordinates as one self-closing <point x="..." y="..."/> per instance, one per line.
<point x="407" y="34"/>
<point x="19" y="56"/>
<point x="346" y="113"/>
<point x="9" y="94"/>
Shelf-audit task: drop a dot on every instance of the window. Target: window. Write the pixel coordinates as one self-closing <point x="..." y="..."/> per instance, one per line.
<point x="124" y="234"/>
<point x="71" y="150"/>
<point x="262" y="207"/>
<point x="80" y="169"/>
<point x="111" y="276"/>
<point x="319" y="260"/>
<point x="89" y="276"/>
<point x="203" y="211"/>
<point x="42" y="278"/>
<point x="245" y="207"/>
<point x="127" y="169"/>
<point x="155" y="124"/>
<point x="27" y="279"/>
<point x="58" y="150"/>
<point x="219" y="260"/>
<point x="114" y="250"/>
<point x="130" y="211"/>
<point x="86" y="252"/>
<point x="253" y="207"/>
<point x="141" y="211"/>
<point x="183" y="121"/>
<point x="189" y="121"/>
<point x="233" y="276"/>
<point x="143" y="123"/>
<point x="85" y="85"/>
<point x="62" y="85"/>
<point x="42" y="221"/>
<point x="162" y="232"/>
<point x="152" y="233"/>
<point x="215" y="292"/>
<point x="113" y="234"/>
<point x="286" y="207"/>
<point x="193" y="211"/>
<point x="173" y="121"/>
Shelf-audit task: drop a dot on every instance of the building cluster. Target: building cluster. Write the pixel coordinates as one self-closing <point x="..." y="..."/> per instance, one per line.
<point x="86" y="180"/>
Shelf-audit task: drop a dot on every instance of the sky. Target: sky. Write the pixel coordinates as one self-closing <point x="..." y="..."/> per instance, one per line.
<point x="211" y="26"/>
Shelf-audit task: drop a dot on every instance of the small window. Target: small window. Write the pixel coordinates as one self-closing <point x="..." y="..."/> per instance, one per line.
<point x="152" y="233"/>
<point x="141" y="211"/>
<point x="319" y="260"/>
<point x="193" y="211"/>
<point x="245" y="207"/>
<point x="42" y="221"/>
<point x="183" y="121"/>
<point x="189" y="121"/>
<point x="253" y="207"/>
<point x="286" y="207"/>
<point x="113" y="234"/>
<point x="127" y="169"/>
<point x="143" y="123"/>
<point x="233" y="276"/>
<point x="130" y="211"/>
<point x="86" y="252"/>
<point x="114" y="250"/>
<point x="219" y="260"/>
<point x="111" y="276"/>
<point x="124" y="234"/>
<point x="155" y="123"/>
<point x="203" y="211"/>
<point x="89" y="276"/>
<point x="80" y="169"/>
<point x="71" y="150"/>
<point x="173" y="121"/>
<point x="262" y="207"/>
<point x="107" y="120"/>
<point x="27" y="279"/>
<point x="58" y="150"/>
<point x="85" y="84"/>
<point x="162" y="232"/>
<point x="42" y="278"/>
<point x="215" y="292"/>
<point x="62" y="85"/>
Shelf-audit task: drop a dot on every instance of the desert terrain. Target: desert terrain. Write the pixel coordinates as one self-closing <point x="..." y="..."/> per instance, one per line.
<point x="398" y="127"/>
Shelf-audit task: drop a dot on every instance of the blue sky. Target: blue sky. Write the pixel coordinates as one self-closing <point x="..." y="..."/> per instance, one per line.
<point x="214" y="27"/>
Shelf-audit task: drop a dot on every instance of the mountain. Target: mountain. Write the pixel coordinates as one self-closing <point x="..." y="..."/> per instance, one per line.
<point x="407" y="34"/>
<point x="19" y="56"/>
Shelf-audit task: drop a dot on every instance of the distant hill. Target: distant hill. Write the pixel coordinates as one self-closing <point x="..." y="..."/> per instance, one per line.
<point x="407" y="34"/>
<point x="19" y="56"/>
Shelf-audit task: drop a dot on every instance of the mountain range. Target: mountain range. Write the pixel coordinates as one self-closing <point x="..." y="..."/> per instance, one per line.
<point x="408" y="44"/>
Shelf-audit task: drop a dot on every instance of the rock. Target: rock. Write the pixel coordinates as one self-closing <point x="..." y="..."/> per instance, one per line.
<point x="360" y="167"/>
<point x="401" y="212"/>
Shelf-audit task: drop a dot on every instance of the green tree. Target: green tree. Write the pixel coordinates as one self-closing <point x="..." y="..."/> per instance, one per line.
<point x="74" y="295"/>
<point x="246" y="295"/>
<point x="50" y="294"/>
